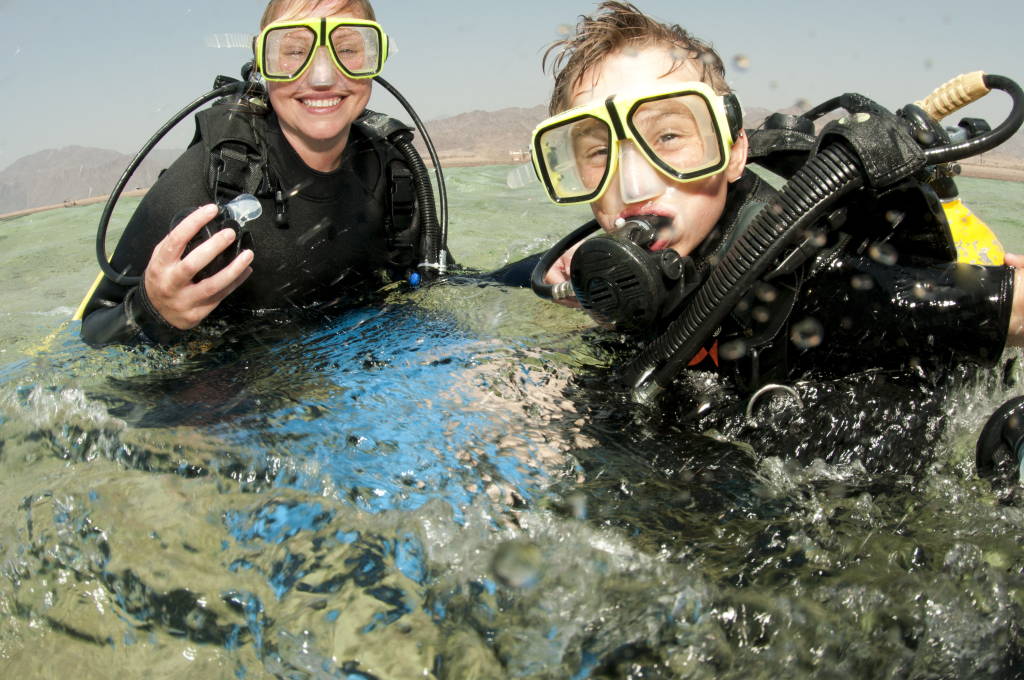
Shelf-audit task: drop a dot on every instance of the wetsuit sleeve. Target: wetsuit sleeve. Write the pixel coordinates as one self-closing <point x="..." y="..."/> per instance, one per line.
<point x="878" y="315"/>
<point x="123" y="314"/>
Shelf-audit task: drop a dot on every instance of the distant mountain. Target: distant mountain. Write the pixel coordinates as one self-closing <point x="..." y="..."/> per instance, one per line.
<point x="484" y="137"/>
<point x="71" y="173"/>
<point x="475" y="138"/>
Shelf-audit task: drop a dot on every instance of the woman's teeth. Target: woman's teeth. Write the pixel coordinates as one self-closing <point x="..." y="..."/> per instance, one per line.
<point x="322" y="103"/>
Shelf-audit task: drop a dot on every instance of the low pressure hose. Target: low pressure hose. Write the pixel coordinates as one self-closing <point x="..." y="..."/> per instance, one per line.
<point x="562" y="290"/>
<point x="438" y="232"/>
<point x="431" y="245"/>
<point x="233" y="87"/>
<point x="830" y="175"/>
<point x="989" y="140"/>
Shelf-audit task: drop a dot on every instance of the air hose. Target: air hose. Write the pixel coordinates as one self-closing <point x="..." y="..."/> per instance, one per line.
<point x="988" y="140"/>
<point x="430" y="233"/>
<point x="561" y="290"/>
<point x="233" y="87"/>
<point x="810" y="193"/>
<point x="434" y="235"/>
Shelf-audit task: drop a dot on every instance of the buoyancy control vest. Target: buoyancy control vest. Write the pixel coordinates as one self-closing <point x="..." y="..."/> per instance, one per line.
<point x="234" y="133"/>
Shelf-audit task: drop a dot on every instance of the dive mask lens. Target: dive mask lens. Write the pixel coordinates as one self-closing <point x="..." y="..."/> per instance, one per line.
<point x="573" y="158"/>
<point x="287" y="50"/>
<point x="358" y="50"/>
<point x="679" y="134"/>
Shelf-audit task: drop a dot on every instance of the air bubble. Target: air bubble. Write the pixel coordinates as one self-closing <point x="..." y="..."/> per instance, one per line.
<point x="807" y="334"/>
<point x="766" y="292"/>
<point x="862" y="282"/>
<point x="883" y="253"/>
<point x="517" y="564"/>
<point x="734" y="350"/>
<point x="894" y="217"/>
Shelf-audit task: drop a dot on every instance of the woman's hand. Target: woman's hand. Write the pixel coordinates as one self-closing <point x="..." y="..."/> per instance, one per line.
<point x="168" y="277"/>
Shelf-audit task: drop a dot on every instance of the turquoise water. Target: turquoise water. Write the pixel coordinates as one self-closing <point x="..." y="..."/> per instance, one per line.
<point x="450" y="486"/>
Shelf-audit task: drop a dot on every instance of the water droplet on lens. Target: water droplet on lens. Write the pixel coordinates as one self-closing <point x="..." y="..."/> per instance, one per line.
<point x="802" y="104"/>
<point x="816" y="237"/>
<point x="883" y="253"/>
<point x="761" y="314"/>
<point x="862" y="282"/>
<point x="517" y="564"/>
<point x="894" y="217"/>
<point x="765" y="292"/>
<point x="807" y="334"/>
<point x="734" y="350"/>
<point x="776" y="209"/>
<point x="928" y="64"/>
<point x="708" y="59"/>
<point x="741" y="61"/>
<point x="578" y="505"/>
<point x="564" y="30"/>
<point x="922" y="291"/>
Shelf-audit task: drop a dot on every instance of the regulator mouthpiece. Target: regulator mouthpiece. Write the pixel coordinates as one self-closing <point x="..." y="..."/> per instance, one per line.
<point x="620" y="281"/>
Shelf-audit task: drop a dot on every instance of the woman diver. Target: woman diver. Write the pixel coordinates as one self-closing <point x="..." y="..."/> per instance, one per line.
<point x="331" y="195"/>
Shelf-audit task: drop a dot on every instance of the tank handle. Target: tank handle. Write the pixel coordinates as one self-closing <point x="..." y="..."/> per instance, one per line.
<point x="954" y="95"/>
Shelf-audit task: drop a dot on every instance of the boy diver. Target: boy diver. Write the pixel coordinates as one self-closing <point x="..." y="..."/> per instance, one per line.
<point x="645" y="130"/>
<point x="335" y="204"/>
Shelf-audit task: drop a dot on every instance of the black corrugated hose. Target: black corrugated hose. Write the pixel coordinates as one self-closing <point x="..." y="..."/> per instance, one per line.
<point x="431" y="244"/>
<point x="809" y="194"/>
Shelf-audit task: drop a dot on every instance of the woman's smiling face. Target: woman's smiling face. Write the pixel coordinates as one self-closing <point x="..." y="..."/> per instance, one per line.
<point x="317" y="110"/>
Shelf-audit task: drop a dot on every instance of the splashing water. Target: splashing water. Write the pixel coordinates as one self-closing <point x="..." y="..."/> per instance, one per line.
<point x="450" y="485"/>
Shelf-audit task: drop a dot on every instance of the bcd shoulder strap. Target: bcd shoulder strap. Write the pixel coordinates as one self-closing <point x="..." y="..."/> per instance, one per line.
<point x="237" y="157"/>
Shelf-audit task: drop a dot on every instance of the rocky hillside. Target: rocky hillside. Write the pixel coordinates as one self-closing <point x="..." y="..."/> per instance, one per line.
<point x="475" y="138"/>
<point x="71" y="173"/>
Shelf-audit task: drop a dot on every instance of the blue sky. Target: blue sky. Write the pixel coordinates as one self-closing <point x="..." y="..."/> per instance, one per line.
<point x="107" y="73"/>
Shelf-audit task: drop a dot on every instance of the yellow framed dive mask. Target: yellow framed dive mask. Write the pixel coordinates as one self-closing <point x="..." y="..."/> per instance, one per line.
<point x="285" y="49"/>
<point x="686" y="131"/>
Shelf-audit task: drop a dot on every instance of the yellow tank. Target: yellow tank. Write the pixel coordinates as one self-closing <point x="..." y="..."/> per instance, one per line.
<point x="975" y="242"/>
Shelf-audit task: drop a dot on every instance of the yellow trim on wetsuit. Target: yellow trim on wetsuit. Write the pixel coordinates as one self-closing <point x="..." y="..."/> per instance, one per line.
<point x="80" y="312"/>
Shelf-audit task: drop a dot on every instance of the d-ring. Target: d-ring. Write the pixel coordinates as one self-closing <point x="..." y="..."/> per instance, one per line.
<point x="772" y="388"/>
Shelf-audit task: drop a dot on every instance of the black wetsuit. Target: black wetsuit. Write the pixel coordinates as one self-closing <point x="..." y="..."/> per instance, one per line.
<point x="332" y="247"/>
<point x="847" y="311"/>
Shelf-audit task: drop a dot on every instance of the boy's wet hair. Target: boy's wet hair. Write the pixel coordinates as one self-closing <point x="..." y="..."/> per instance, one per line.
<point x="305" y="7"/>
<point x="617" y="26"/>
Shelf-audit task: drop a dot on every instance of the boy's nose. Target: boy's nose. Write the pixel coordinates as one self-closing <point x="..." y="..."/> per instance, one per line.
<point x="638" y="180"/>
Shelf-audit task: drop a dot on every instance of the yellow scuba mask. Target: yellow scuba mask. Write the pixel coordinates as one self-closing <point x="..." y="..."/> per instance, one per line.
<point x="285" y="49"/>
<point x="686" y="131"/>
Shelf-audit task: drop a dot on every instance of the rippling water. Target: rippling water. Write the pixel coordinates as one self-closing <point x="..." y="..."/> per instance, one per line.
<point x="448" y="485"/>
